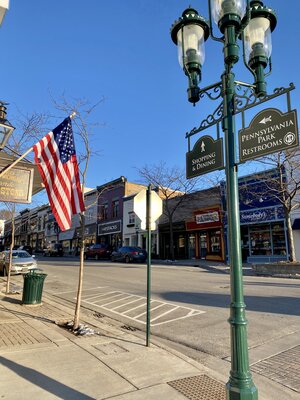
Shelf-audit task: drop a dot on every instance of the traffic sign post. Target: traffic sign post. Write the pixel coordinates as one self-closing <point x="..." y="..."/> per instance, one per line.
<point x="148" y="227"/>
<point x="147" y="205"/>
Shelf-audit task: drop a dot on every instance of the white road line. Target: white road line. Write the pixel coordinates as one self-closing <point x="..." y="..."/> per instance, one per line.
<point x="114" y="301"/>
<point x="116" y="296"/>
<point x="130" y="302"/>
<point x="152" y="309"/>
<point x="134" y="308"/>
<point x="145" y="312"/>
<point x="100" y="295"/>
<point x="165" y="313"/>
<point x="176" y="319"/>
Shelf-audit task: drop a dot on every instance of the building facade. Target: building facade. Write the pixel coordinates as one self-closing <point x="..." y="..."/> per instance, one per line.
<point x="262" y="219"/>
<point x="197" y="227"/>
<point x="110" y="210"/>
<point x="133" y="234"/>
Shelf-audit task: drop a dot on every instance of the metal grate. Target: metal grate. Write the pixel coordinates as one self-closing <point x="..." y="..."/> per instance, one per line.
<point x="200" y="387"/>
<point x="282" y="368"/>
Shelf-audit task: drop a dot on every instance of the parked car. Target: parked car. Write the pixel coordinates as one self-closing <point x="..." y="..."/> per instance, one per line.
<point x="54" y="249"/>
<point x="21" y="262"/>
<point x="98" y="251"/>
<point x="26" y="248"/>
<point x="129" y="254"/>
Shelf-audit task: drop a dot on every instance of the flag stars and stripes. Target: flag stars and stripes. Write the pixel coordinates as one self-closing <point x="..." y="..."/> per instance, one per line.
<point x="56" y="159"/>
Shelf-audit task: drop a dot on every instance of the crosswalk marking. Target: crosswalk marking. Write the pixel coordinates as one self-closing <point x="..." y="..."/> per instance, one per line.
<point x="130" y="307"/>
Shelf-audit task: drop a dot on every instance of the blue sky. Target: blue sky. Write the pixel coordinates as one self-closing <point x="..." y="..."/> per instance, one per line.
<point x="122" y="51"/>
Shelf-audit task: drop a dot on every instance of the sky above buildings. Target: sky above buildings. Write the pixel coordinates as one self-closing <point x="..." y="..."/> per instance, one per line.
<point x="122" y="51"/>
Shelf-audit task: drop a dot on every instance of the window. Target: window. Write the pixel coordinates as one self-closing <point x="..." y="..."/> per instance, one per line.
<point x="104" y="213"/>
<point x="115" y="208"/>
<point x="131" y="217"/>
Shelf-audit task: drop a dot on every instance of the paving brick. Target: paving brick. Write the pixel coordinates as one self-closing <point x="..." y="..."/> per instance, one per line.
<point x="282" y="368"/>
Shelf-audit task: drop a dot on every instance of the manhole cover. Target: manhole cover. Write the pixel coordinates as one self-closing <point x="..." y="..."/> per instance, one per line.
<point x="200" y="387"/>
<point x="282" y="368"/>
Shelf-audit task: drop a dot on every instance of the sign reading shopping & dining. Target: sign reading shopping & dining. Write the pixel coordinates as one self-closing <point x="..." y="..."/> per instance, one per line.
<point x="206" y="156"/>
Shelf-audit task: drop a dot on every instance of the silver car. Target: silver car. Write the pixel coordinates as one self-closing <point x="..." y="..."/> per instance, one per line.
<point x="22" y="262"/>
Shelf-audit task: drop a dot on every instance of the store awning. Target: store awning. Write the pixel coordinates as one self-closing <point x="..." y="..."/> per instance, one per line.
<point x="296" y="224"/>
<point x="7" y="159"/>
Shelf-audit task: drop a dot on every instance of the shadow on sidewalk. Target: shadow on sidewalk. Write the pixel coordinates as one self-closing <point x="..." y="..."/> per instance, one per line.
<point x="45" y="382"/>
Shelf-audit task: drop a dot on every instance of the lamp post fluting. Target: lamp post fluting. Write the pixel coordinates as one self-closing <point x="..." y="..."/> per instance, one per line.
<point x="253" y="22"/>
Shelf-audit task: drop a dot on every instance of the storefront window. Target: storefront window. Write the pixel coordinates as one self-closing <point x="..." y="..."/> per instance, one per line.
<point x="266" y="240"/>
<point x="278" y="237"/>
<point x="260" y="240"/>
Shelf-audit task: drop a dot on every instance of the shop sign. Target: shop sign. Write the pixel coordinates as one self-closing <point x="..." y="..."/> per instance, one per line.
<point x="16" y="185"/>
<point x="207" y="218"/>
<point x="262" y="215"/>
<point x="270" y="131"/>
<point x="109" y="228"/>
<point x="206" y="156"/>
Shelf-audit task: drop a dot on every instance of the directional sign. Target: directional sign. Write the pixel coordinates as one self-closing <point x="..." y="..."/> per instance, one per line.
<point x="270" y="131"/>
<point x="139" y="207"/>
<point x="206" y="156"/>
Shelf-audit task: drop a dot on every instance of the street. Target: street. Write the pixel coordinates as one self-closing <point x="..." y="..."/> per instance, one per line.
<point x="190" y="306"/>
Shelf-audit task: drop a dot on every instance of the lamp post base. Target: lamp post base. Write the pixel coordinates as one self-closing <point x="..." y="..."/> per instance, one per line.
<point x="236" y="393"/>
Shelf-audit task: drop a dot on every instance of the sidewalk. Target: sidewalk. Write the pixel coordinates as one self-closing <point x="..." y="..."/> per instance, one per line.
<point x="40" y="360"/>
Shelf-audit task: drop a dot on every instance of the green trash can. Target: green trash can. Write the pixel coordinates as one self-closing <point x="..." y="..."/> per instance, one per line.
<point x="33" y="287"/>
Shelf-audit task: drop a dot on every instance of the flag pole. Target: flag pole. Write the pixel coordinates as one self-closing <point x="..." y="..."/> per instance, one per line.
<point x="6" y="169"/>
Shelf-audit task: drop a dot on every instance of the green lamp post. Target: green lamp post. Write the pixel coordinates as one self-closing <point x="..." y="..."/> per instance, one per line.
<point x="253" y="22"/>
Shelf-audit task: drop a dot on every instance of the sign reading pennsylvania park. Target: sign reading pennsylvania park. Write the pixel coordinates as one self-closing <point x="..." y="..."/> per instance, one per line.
<point x="206" y="156"/>
<point x="270" y="131"/>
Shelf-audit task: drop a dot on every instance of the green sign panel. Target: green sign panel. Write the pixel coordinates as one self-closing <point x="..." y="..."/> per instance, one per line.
<point x="270" y="131"/>
<point x="206" y="156"/>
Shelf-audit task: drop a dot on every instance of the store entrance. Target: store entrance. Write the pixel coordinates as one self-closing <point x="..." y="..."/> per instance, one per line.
<point x="203" y="244"/>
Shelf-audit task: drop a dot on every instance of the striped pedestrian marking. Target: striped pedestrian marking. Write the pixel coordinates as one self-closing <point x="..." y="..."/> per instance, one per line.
<point x="134" y="307"/>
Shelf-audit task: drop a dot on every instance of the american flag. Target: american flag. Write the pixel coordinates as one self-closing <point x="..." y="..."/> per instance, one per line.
<point x="55" y="157"/>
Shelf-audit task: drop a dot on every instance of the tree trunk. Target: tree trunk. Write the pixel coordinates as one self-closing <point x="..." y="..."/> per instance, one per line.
<point x="11" y="249"/>
<point x="290" y="238"/>
<point x="171" y="250"/>
<point x="80" y="279"/>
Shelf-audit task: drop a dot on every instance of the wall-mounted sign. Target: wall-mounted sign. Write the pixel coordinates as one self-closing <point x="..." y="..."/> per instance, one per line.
<point x="207" y="218"/>
<point x="109" y="228"/>
<point x="16" y="185"/>
<point x="206" y="156"/>
<point x="270" y="131"/>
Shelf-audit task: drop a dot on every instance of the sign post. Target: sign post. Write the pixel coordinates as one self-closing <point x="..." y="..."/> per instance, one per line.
<point x="149" y="246"/>
<point x="147" y="205"/>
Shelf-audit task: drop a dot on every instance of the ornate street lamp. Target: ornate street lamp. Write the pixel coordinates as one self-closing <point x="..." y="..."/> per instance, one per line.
<point x="258" y="43"/>
<point x="6" y="129"/>
<point x="4" y="5"/>
<point x="189" y="33"/>
<point x="253" y="22"/>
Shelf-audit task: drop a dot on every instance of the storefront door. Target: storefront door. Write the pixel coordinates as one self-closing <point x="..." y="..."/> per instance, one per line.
<point x="203" y="244"/>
